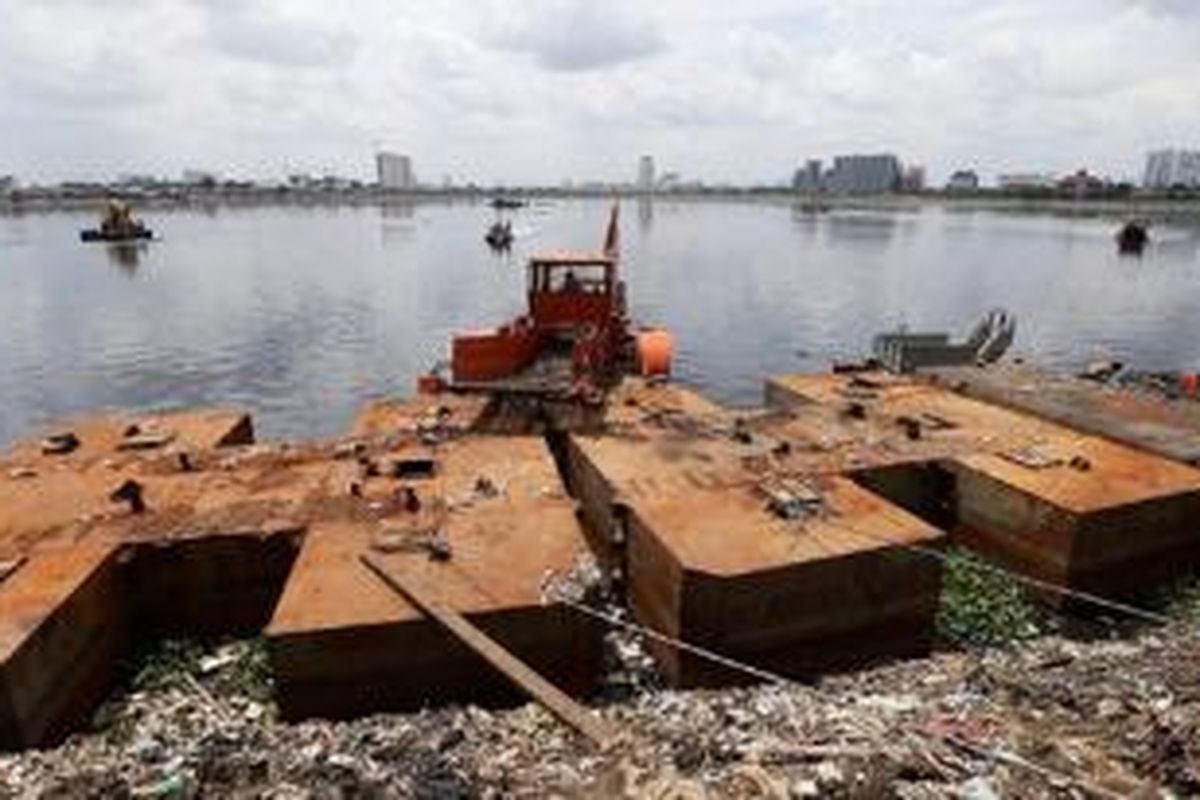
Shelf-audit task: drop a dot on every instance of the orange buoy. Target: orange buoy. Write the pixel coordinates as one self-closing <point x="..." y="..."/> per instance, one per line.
<point x="654" y="347"/>
<point x="1188" y="383"/>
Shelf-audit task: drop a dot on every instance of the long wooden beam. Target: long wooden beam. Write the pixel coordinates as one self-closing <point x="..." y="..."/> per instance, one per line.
<point x="516" y="670"/>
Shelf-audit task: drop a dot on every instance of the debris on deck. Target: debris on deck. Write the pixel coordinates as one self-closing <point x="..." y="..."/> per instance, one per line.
<point x="1077" y="510"/>
<point x="796" y="539"/>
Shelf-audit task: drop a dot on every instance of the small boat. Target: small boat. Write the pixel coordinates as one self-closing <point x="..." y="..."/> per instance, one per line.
<point x="118" y="225"/>
<point x="1133" y="237"/>
<point x="507" y="202"/>
<point x="100" y="235"/>
<point x="499" y="236"/>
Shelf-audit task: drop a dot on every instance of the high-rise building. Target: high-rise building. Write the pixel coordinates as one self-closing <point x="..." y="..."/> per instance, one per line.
<point x="394" y="171"/>
<point x="913" y="179"/>
<point x="1024" y="181"/>
<point x="1172" y="167"/>
<point x="963" y="180"/>
<point x="197" y="177"/>
<point x="864" y="173"/>
<point x="808" y="177"/>
<point x="645" y="174"/>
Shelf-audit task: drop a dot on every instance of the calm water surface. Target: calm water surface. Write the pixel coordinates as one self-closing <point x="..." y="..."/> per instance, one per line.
<point x="301" y="313"/>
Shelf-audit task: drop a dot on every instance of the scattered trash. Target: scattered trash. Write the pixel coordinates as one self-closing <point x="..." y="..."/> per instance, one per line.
<point x="129" y="492"/>
<point x="57" y="444"/>
<point x="792" y="498"/>
<point x="1032" y="457"/>
<point x="1101" y="371"/>
<point x="486" y="487"/>
<point x="10" y="565"/>
<point x="351" y="449"/>
<point x="141" y="439"/>
<point x="855" y="410"/>
<point x="412" y="467"/>
<point x="1048" y="718"/>
<point x="428" y="540"/>
<point x="911" y="426"/>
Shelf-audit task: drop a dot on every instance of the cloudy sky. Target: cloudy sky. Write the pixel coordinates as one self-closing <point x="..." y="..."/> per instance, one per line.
<point x="541" y="90"/>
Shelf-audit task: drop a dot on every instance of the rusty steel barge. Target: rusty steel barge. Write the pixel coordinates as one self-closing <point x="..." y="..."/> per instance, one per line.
<point x="799" y="537"/>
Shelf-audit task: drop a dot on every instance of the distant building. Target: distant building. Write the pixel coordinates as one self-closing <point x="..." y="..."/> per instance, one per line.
<point x="394" y="171"/>
<point x="1021" y="181"/>
<point x="7" y="184"/>
<point x="808" y="177"/>
<point x="963" y="180"/>
<point x="1081" y="184"/>
<point x="198" y="177"/>
<point x="864" y="174"/>
<point x="913" y="179"/>
<point x="668" y="181"/>
<point x="136" y="179"/>
<point x="645" y="174"/>
<point x="1167" y="168"/>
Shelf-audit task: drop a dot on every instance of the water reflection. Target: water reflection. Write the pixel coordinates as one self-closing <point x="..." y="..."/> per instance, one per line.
<point x="645" y="214"/>
<point x="875" y="230"/>
<point x="125" y="255"/>
<point x="299" y="312"/>
<point x="397" y="209"/>
<point x="397" y="223"/>
<point x="807" y="214"/>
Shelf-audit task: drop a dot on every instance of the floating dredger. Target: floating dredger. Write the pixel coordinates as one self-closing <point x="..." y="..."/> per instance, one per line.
<point x="117" y="225"/>
<point x="573" y="342"/>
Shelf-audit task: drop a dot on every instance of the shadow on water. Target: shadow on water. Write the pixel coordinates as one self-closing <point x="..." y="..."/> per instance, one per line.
<point x="645" y="214"/>
<point x="298" y="313"/>
<point x="861" y="229"/>
<point x="125" y="256"/>
<point x="397" y="221"/>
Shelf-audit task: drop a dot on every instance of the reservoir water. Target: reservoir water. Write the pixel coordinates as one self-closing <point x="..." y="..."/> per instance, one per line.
<point x="299" y="313"/>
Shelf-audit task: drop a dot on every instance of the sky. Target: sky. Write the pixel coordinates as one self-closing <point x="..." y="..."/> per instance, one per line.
<point x="538" y="91"/>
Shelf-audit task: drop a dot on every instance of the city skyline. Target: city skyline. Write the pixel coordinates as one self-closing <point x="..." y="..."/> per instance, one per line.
<point x="1165" y="168"/>
<point x="531" y="93"/>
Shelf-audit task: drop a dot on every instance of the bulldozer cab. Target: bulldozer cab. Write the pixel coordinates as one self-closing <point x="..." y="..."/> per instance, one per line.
<point x="570" y="289"/>
<point x="591" y="277"/>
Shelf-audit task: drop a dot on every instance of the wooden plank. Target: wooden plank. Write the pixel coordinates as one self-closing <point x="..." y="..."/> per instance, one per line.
<point x="520" y="673"/>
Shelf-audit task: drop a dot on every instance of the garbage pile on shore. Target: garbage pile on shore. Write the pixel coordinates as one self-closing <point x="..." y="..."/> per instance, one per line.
<point x="1051" y="717"/>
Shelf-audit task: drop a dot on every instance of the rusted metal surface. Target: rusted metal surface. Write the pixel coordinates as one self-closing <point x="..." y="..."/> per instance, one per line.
<point x="749" y="533"/>
<point x="199" y="429"/>
<point x="710" y="557"/>
<point x="1080" y="510"/>
<point x="341" y="643"/>
<point x="537" y="687"/>
<point x="63" y="625"/>
<point x="219" y="533"/>
<point x="1135" y="418"/>
<point x="445" y="412"/>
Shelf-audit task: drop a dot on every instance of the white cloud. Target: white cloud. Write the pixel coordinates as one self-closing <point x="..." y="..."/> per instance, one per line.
<point x="539" y="90"/>
<point x="574" y="35"/>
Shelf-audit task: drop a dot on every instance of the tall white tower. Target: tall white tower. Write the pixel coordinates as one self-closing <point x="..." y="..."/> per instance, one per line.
<point x="645" y="174"/>
<point x="394" y="171"/>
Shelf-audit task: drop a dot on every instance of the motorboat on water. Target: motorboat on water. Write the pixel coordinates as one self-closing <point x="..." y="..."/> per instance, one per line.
<point x="117" y="225"/>
<point x="499" y="236"/>
<point x="1133" y="237"/>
